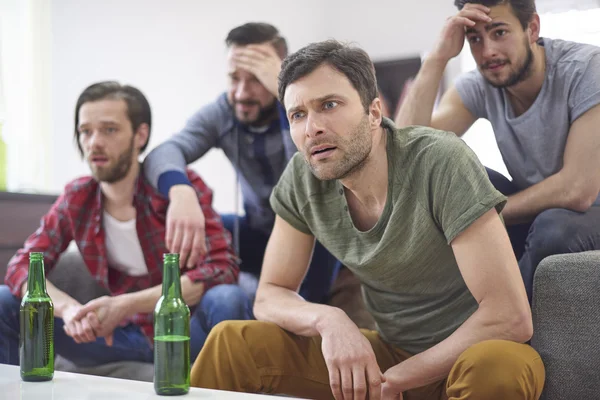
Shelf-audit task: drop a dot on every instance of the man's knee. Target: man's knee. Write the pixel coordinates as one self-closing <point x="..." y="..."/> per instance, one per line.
<point x="9" y="304"/>
<point x="228" y="301"/>
<point x="497" y="369"/>
<point x="242" y="333"/>
<point x="552" y="230"/>
<point x="226" y="295"/>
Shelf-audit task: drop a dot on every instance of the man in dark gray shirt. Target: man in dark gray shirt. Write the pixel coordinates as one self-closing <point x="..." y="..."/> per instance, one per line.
<point x="245" y="123"/>
<point x="542" y="97"/>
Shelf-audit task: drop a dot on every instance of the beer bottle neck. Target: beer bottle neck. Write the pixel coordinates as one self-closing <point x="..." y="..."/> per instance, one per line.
<point x="171" y="282"/>
<point x="36" y="280"/>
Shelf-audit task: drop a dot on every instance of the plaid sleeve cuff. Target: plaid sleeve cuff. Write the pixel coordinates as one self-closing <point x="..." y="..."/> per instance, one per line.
<point x="212" y="276"/>
<point x="16" y="281"/>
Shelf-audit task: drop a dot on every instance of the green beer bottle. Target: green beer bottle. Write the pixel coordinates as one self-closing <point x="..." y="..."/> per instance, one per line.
<point x="171" y="334"/>
<point x="36" y="317"/>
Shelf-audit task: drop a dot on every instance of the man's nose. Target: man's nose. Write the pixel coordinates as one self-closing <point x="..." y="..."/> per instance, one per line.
<point x="489" y="50"/>
<point x="242" y="91"/>
<point x="314" y="126"/>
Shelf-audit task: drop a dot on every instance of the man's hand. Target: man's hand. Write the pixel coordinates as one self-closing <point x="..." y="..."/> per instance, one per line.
<point x="452" y="37"/>
<point x="81" y="326"/>
<point x="185" y="232"/>
<point x="262" y="61"/>
<point x="353" y="370"/>
<point x="389" y="390"/>
<point x="110" y="311"/>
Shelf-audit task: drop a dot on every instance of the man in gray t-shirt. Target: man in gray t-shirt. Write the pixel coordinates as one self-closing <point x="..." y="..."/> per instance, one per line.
<point x="542" y="97"/>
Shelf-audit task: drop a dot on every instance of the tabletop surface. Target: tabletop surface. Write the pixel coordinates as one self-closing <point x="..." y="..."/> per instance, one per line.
<point x="70" y="386"/>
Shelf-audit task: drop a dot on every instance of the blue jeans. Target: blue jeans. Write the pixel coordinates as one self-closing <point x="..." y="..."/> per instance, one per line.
<point x="220" y="303"/>
<point x="322" y="271"/>
<point x="553" y="231"/>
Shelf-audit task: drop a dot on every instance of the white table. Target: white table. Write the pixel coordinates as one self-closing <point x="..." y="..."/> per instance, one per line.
<point x="70" y="386"/>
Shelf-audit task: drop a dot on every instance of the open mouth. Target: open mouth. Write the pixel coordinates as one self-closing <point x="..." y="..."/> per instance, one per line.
<point x="99" y="160"/>
<point x="321" y="152"/>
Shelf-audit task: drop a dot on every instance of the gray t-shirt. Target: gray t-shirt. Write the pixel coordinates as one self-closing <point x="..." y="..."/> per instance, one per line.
<point x="411" y="282"/>
<point x="533" y="144"/>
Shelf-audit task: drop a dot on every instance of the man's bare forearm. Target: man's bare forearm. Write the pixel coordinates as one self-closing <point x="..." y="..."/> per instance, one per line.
<point x="554" y="192"/>
<point x="144" y="301"/>
<point x="417" y="108"/>
<point x="291" y="312"/>
<point x="60" y="299"/>
<point x="435" y="363"/>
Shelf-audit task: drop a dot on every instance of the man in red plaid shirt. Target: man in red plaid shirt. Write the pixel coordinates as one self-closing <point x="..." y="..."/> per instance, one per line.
<point x="118" y="222"/>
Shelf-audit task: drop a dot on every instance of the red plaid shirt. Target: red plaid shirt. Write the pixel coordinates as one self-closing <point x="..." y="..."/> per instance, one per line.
<point x="77" y="215"/>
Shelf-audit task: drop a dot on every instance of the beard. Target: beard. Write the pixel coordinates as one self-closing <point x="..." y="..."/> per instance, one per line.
<point x="264" y="115"/>
<point x="518" y="75"/>
<point x="356" y="150"/>
<point x="112" y="174"/>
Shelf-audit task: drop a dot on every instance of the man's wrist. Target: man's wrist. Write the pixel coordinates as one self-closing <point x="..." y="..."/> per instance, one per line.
<point x="61" y="307"/>
<point x="180" y="191"/>
<point x="127" y="303"/>
<point x="329" y="317"/>
<point x="435" y="61"/>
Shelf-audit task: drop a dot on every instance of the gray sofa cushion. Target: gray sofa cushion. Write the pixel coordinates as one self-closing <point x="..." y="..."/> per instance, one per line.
<point x="566" y="320"/>
<point x="72" y="276"/>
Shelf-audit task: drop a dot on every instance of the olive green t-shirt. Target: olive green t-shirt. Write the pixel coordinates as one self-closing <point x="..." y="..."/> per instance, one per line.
<point x="410" y="279"/>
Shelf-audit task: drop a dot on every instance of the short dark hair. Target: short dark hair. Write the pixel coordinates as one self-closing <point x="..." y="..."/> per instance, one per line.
<point x="138" y="108"/>
<point x="257" y="33"/>
<point x="351" y="61"/>
<point x="523" y="9"/>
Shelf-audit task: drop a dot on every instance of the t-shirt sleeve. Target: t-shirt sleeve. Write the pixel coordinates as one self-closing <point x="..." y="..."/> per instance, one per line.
<point x="471" y="93"/>
<point x="288" y="199"/>
<point x="585" y="91"/>
<point x="458" y="187"/>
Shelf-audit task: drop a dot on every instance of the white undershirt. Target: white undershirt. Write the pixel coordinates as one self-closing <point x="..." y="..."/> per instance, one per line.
<point x="123" y="249"/>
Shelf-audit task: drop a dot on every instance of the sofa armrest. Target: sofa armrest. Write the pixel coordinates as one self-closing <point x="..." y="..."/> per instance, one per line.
<point x="566" y="322"/>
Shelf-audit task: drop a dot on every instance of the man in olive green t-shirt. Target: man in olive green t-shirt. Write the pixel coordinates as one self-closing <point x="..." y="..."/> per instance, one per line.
<point x="412" y="213"/>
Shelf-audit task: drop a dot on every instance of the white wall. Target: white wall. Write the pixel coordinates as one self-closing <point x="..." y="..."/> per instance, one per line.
<point x="174" y="52"/>
<point x="389" y="29"/>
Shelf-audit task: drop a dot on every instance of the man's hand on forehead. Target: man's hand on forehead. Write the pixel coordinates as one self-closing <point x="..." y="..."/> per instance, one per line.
<point x="265" y="49"/>
<point x="261" y="60"/>
<point x="253" y="55"/>
<point x="452" y="38"/>
<point x="471" y="14"/>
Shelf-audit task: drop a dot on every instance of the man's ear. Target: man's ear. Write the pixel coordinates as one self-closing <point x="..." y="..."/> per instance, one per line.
<point x="375" y="112"/>
<point x="141" y="136"/>
<point x="533" y="28"/>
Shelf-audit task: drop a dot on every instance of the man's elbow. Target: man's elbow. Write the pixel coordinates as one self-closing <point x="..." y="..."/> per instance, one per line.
<point x="520" y="326"/>
<point x="581" y="200"/>
<point x="260" y="302"/>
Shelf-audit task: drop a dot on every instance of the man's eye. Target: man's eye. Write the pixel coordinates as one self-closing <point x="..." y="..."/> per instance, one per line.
<point x="330" y="104"/>
<point x="297" y="115"/>
<point x="500" y="32"/>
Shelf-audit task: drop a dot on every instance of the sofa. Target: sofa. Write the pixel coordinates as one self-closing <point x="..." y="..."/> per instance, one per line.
<point x="566" y="321"/>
